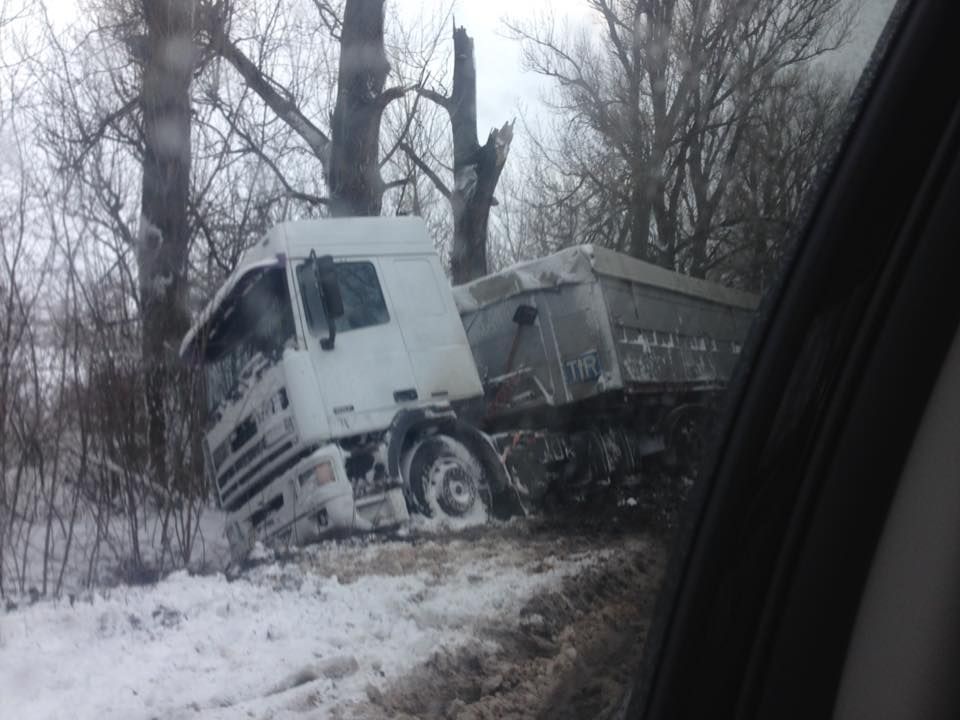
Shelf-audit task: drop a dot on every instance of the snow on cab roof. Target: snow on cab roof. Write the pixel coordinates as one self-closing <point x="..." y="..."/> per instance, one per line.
<point x="583" y="264"/>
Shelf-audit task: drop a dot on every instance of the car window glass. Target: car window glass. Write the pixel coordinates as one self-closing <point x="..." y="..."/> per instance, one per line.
<point x="473" y="517"/>
<point x="363" y="302"/>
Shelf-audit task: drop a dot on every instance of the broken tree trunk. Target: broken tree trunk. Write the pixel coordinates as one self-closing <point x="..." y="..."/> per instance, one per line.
<point x="476" y="168"/>
<point x="170" y="58"/>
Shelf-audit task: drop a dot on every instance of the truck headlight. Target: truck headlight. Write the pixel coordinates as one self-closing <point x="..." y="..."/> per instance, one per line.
<point x="322" y="474"/>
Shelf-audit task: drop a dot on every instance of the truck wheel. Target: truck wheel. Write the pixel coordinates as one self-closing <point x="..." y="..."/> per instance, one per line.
<point x="446" y="480"/>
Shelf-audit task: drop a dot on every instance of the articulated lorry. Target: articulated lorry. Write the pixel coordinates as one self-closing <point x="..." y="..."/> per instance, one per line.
<point x="348" y="385"/>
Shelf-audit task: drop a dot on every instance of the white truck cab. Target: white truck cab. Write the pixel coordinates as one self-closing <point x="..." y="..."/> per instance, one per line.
<point x="334" y="357"/>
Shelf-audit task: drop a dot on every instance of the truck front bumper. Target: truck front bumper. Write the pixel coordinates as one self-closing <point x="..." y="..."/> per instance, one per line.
<point x="380" y="511"/>
<point x="319" y="502"/>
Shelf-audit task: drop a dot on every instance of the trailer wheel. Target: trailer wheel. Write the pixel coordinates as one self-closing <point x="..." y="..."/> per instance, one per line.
<point x="687" y="443"/>
<point x="447" y="480"/>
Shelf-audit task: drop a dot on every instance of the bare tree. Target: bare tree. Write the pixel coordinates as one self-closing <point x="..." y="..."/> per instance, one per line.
<point x="356" y="187"/>
<point x="354" y="153"/>
<point x="533" y="218"/>
<point x="785" y="150"/>
<point x="72" y="381"/>
<point x="654" y="108"/>
<point x="349" y="154"/>
<point x="124" y="126"/>
<point x="18" y="420"/>
<point x="168" y="55"/>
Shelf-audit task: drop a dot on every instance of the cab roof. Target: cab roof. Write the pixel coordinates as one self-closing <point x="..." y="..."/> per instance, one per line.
<point x="339" y="237"/>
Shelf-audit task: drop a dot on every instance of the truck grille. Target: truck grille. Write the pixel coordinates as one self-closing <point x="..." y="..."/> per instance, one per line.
<point x="231" y="501"/>
<point x="253" y="471"/>
<point x="243" y="432"/>
<point x="241" y="462"/>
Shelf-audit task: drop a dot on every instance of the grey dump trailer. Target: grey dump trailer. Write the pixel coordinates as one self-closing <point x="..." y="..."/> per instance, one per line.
<point x="593" y="362"/>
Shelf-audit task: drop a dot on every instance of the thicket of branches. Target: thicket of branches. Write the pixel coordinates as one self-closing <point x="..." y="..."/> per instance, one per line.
<point x="146" y="146"/>
<point x="673" y="121"/>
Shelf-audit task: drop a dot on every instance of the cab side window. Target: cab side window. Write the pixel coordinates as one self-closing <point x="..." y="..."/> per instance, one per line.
<point x="363" y="303"/>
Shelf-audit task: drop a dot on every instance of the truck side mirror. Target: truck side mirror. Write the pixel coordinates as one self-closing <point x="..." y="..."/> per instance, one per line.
<point x="325" y="274"/>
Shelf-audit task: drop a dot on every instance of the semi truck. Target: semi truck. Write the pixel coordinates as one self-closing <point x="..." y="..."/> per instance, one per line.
<point x="348" y="385"/>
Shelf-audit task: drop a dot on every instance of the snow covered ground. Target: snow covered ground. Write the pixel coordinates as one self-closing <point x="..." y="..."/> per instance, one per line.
<point x="88" y="549"/>
<point x="308" y="637"/>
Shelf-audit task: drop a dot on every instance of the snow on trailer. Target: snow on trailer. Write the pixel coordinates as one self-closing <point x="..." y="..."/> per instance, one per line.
<point x="604" y="356"/>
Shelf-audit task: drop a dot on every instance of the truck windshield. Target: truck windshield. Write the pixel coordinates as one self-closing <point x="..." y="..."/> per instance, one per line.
<point x="363" y="303"/>
<point x="258" y="325"/>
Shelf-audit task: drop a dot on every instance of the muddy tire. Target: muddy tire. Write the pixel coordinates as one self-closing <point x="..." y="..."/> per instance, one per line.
<point x="687" y="443"/>
<point x="446" y="480"/>
<point x="580" y="480"/>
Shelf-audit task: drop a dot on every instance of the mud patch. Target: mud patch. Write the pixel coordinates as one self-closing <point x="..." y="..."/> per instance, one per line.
<point x="569" y="655"/>
<point x="534" y="542"/>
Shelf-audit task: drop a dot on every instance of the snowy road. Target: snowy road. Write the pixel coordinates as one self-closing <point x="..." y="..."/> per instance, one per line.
<point x="334" y="632"/>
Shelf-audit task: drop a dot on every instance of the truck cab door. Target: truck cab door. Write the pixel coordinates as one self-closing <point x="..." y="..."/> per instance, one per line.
<point x="365" y="374"/>
<point x="427" y="316"/>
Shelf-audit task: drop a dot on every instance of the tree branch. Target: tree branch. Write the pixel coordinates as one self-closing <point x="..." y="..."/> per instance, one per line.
<point x="432" y="95"/>
<point x="329" y="17"/>
<point x="285" y="107"/>
<point x="399" y="182"/>
<point x="391" y="94"/>
<point x="427" y="170"/>
<point x="89" y="139"/>
<point x="256" y="149"/>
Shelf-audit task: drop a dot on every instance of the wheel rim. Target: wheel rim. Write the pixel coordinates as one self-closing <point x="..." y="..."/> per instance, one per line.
<point x="447" y="480"/>
<point x="453" y="486"/>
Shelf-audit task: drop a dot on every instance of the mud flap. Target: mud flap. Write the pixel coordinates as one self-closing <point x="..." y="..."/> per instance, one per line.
<point x="508" y="504"/>
<point x="683" y="451"/>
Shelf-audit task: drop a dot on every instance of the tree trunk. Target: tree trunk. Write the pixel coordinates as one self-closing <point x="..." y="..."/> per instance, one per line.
<point x="350" y="156"/>
<point x="476" y="169"/>
<point x="356" y="187"/>
<point x="162" y="244"/>
<point x="641" y="211"/>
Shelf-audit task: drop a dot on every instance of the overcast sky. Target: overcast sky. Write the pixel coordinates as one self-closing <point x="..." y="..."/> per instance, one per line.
<point x="502" y="87"/>
<point x="504" y="90"/>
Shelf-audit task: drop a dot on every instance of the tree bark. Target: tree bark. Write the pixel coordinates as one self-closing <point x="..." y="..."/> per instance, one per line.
<point x="162" y="244"/>
<point x="641" y="213"/>
<point x="356" y="187"/>
<point x="476" y="169"/>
